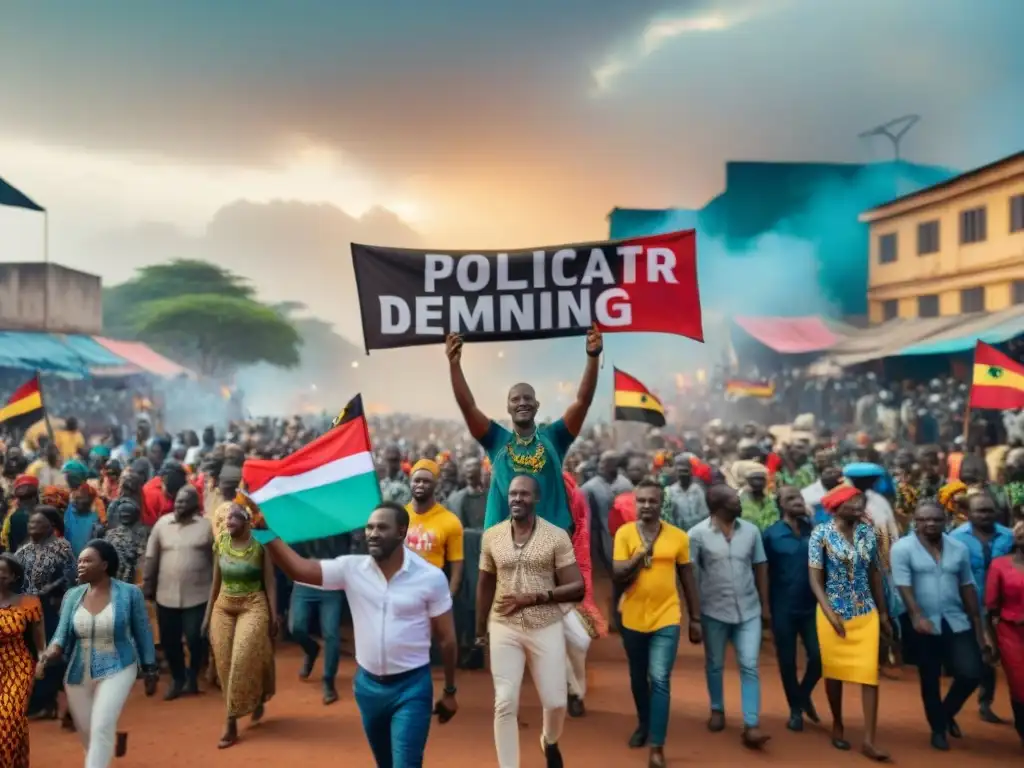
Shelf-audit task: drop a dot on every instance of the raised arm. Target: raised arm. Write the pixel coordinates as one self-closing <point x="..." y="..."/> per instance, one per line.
<point x="295" y="566"/>
<point x="576" y="413"/>
<point x="475" y="419"/>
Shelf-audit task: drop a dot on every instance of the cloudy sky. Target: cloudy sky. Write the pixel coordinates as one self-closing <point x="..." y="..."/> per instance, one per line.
<point x="268" y="135"/>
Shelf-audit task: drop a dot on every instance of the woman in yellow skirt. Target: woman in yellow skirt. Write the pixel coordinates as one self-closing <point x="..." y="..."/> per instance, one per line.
<point x="847" y="582"/>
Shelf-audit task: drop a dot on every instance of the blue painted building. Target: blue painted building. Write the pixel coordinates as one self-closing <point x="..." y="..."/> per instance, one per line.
<point x="771" y="213"/>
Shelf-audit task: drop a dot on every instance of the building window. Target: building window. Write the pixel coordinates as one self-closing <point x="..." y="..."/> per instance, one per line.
<point x="927" y="237"/>
<point x="887" y="248"/>
<point x="1018" y="291"/>
<point x="928" y="306"/>
<point x="972" y="299"/>
<point x="890" y="309"/>
<point x="1017" y="213"/>
<point x="973" y="226"/>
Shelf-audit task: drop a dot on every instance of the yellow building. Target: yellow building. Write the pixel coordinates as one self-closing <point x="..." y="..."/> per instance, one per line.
<point x="950" y="249"/>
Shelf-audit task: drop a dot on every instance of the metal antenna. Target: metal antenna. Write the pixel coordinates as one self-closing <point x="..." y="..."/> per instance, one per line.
<point x="894" y="130"/>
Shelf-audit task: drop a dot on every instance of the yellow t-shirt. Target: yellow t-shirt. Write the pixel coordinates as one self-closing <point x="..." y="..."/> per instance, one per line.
<point x="68" y="443"/>
<point x="435" y="535"/>
<point x="651" y="602"/>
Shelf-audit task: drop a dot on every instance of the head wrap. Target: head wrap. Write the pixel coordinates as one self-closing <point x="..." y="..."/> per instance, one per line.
<point x="53" y="496"/>
<point x="859" y="469"/>
<point x="427" y="464"/>
<point x="838" y="496"/>
<point x="100" y="451"/>
<point x="743" y="470"/>
<point x="26" y="481"/>
<point x="75" y="468"/>
<point x="948" y="494"/>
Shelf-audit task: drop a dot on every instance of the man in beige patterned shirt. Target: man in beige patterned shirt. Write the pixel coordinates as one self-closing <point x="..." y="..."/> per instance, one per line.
<point x="527" y="570"/>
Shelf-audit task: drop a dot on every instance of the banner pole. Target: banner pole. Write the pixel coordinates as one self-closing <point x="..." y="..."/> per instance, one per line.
<point x="46" y="412"/>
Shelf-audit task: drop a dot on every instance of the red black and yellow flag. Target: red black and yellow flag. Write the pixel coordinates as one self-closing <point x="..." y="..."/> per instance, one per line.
<point x="25" y="406"/>
<point x="634" y="402"/>
<point x="747" y="388"/>
<point x="998" y="381"/>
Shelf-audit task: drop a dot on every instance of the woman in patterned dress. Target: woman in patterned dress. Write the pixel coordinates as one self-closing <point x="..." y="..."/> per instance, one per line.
<point x="18" y="615"/>
<point x="847" y="582"/>
<point x="49" y="571"/>
<point x="240" y="623"/>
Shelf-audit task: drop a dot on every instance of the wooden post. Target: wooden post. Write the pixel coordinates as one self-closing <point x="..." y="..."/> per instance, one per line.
<point x="46" y="412"/>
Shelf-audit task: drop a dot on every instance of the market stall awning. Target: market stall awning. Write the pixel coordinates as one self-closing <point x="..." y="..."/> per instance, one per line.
<point x="991" y="328"/>
<point x="39" y="352"/>
<point x="98" y="359"/>
<point x="792" y="335"/>
<point x="928" y="336"/>
<point x="138" y="354"/>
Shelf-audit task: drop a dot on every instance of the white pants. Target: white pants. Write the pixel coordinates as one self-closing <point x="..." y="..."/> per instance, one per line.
<point x="95" y="707"/>
<point x="577" y="643"/>
<point x="511" y="648"/>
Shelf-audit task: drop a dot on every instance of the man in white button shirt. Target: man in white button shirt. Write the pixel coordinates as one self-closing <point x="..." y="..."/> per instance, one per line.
<point x="398" y="601"/>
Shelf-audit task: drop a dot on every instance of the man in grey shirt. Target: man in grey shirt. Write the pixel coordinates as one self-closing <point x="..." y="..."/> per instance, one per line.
<point x="687" y="505"/>
<point x="732" y="575"/>
<point x="601" y="491"/>
<point x="933" y="574"/>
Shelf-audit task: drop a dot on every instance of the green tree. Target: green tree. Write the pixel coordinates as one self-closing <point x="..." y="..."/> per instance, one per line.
<point x="217" y="334"/>
<point x="124" y="305"/>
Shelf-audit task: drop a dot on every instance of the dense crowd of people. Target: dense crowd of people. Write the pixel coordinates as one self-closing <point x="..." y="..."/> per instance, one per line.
<point x="872" y="542"/>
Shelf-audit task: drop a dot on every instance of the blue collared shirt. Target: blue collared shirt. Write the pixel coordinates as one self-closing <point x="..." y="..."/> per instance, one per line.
<point x="789" y="582"/>
<point x="1000" y="544"/>
<point x="936" y="584"/>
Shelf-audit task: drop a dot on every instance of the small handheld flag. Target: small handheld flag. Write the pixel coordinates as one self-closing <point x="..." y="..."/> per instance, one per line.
<point x="998" y="380"/>
<point x="746" y="388"/>
<point x="634" y="402"/>
<point x="25" y="406"/>
<point x="325" y="488"/>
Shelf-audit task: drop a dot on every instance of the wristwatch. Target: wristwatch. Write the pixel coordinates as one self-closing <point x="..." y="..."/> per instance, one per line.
<point x="450" y="690"/>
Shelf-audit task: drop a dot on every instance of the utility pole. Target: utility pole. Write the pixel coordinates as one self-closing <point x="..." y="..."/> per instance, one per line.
<point x="894" y="130"/>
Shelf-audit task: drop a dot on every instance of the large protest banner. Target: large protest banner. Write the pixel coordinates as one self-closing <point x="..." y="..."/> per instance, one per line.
<point x="413" y="297"/>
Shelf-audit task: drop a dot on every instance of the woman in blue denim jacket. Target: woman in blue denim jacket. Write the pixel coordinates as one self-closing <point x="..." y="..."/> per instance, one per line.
<point x="105" y="636"/>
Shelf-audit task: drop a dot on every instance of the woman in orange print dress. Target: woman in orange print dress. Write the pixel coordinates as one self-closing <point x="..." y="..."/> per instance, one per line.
<point x="17" y="667"/>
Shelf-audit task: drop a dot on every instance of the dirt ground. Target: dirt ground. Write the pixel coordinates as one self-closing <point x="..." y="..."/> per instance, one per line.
<point x="184" y="733"/>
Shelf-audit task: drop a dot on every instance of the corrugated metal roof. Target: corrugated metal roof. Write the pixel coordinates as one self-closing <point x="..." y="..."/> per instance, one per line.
<point x="140" y="355"/>
<point x="39" y="352"/>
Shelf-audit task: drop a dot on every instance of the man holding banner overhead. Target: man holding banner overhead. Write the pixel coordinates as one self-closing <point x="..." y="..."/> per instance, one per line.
<point x="526" y="449"/>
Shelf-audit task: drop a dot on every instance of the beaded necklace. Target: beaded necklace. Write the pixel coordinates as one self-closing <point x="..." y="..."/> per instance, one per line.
<point x="532" y="459"/>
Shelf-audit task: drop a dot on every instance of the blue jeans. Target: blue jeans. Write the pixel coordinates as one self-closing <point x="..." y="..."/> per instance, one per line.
<point x="396" y="714"/>
<point x="746" y="640"/>
<point x="329" y="604"/>
<point x="651" y="656"/>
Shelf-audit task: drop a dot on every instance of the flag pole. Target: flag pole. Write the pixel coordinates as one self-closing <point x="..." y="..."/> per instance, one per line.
<point x="46" y="271"/>
<point x="42" y="401"/>
<point x="967" y="408"/>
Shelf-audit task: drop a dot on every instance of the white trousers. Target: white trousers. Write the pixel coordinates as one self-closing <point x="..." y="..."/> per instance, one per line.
<point x="511" y="649"/>
<point x="577" y="643"/>
<point x="95" y="707"/>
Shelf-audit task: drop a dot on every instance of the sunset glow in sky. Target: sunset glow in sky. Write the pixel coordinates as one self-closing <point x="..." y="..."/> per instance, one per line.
<point x="153" y="129"/>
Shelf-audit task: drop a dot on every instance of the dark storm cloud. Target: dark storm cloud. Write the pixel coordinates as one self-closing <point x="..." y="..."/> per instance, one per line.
<point x="223" y="82"/>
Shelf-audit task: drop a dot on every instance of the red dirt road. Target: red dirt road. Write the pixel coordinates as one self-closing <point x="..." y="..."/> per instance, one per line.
<point x="184" y="733"/>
